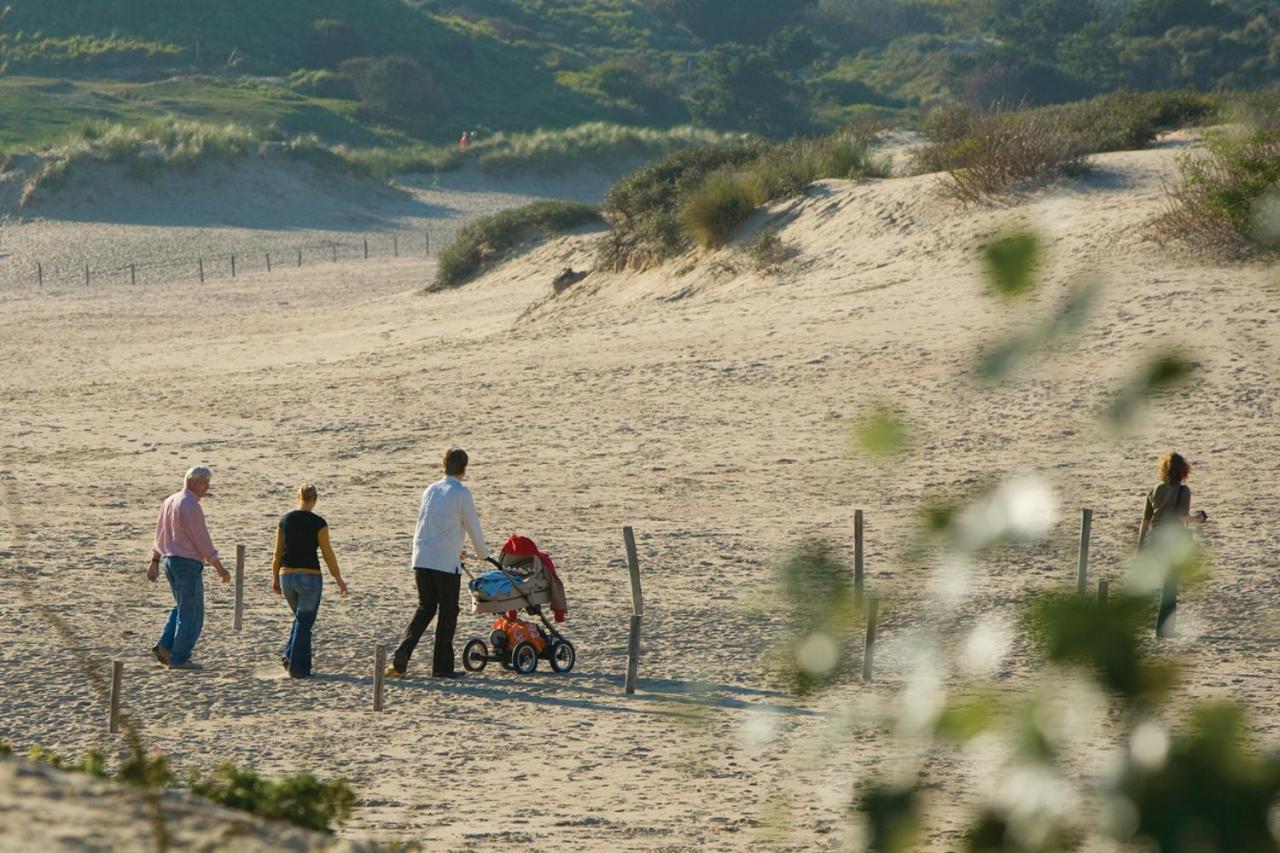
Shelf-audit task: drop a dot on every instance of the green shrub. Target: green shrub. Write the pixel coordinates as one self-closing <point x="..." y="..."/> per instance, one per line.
<point x="642" y="208"/>
<point x="484" y="241"/>
<point x="302" y="799"/>
<point x="320" y="83"/>
<point x="394" y="87"/>
<point x="710" y="213"/>
<point x="37" y="53"/>
<point x="386" y="162"/>
<point x="1228" y="198"/>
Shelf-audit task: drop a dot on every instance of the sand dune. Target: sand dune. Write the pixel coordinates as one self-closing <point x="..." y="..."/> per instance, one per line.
<point x="705" y="403"/>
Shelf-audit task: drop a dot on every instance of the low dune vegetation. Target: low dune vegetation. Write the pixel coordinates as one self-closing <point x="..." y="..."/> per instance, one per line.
<point x="484" y="242"/>
<point x="698" y="197"/>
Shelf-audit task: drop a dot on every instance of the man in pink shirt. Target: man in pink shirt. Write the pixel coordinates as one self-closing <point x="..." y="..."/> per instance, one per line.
<point x="182" y="542"/>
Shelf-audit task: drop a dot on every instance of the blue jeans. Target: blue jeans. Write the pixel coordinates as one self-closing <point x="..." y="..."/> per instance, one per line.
<point x="186" y="619"/>
<point x="303" y="594"/>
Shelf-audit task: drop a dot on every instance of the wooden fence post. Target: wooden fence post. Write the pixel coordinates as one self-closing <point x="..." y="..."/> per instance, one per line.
<point x="117" y="676"/>
<point x="233" y="266"/>
<point x="637" y="610"/>
<point x="334" y="246"/>
<point x="133" y="275"/>
<point x="366" y="248"/>
<point x="1167" y="617"/>
<point x="299" y="257"/>
<point x="1102" y="592"/>
<point x="39" y="273"/>
<point x="379" y="673"/>
<point x="1082" y="563"/>
<point x="858" y="579"/>
<point x="201" y="262"/>
<point x="395" y="247"/>
<point x="869" y="649"/>
<point x="428" y="236"/>
<point x="268" y="262"/>
<point x="86" y="275"/>
<point x="239" y="619"/>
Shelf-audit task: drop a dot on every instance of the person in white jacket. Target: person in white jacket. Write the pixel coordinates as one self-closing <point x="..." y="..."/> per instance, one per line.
<point x="447" y="513"/>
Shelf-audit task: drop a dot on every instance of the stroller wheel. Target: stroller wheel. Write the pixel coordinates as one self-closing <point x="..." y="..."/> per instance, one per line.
<point x="524" y="658"/>
<point x="474" y="655"/>
<point x="562" y="656"/>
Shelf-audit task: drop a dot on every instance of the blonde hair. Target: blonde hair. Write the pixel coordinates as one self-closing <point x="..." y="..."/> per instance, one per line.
<point x="307" y="493"/>
<point x="1173" y="468"/>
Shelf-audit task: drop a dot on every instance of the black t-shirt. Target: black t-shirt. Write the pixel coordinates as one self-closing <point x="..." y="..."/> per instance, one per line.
<point x="301" y="531"/>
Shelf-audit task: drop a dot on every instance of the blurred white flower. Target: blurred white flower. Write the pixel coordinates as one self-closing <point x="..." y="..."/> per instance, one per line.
<point x="758" y="728"/>
<point x="1035" y="800"/>
<point x="1149" y="746"/>
<point x="1163" y="556"/>
<point x="1120" y="817"/>
<point x="952" y="582"/>
<point x="1021" y="508"/>
<point x="1267" y="218"/>
<point x="818" y="654"/>
<point x="986" y="646"/>
<point x="923" y="699"/>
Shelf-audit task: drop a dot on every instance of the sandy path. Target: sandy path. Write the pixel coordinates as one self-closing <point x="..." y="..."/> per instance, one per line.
<point x="707" y="408"/>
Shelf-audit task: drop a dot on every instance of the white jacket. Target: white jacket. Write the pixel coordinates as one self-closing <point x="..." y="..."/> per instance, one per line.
<point x="447" y="511"/>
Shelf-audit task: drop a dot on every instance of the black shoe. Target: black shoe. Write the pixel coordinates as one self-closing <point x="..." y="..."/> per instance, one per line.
<point x="448" y="675"/>
<point x="284" y="662"/>
<point x="161" y="654"/>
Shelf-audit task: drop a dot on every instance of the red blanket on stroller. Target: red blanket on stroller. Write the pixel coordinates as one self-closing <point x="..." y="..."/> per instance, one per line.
<point x="523" y="546"/>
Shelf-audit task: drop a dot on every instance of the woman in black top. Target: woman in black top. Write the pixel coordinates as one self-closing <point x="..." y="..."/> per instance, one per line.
<point x="295" y="574"/>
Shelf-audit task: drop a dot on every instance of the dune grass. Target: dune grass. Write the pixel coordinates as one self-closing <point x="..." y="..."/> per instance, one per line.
<point x="597" y="143"/>
<point x="483" y="242"/>
<point x="1227" y="198"/>
<point x="989" y="153"/>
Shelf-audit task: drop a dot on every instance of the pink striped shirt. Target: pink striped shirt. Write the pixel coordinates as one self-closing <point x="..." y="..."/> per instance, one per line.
<point x="180" y="529"/>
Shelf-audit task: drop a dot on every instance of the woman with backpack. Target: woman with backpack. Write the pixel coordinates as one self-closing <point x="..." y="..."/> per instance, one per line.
<point x="1169" y="503"/>
<point x="1167" y="514"/>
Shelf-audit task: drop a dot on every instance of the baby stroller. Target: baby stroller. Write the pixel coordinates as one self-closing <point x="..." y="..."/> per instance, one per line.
<point x="522" y="577"/>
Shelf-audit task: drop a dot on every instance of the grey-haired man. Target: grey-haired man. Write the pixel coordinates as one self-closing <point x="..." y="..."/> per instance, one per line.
<point x="182" y="542"/>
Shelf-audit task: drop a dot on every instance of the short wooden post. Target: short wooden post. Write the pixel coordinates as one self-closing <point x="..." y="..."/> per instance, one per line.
<point x="268" y="262"/>
<point x="1082" y="562"/>
<point x="233" y="266"/>
<point x="428" y="236"/>
<point x="299" y="257"/>
<point x="117" y="676"/>
<point x="1102" y="592"/>
<point x="366" y="248"/>
<point x="395" y="247"/>
<point x="239" y="620"/>
<point x="379" y="673"/>
<point x="637" y="611"/>
<point x="858" y="579"/>
<point x="1167" y="617"/>
<point x="133" y="275"/>
<point x="86" y="275"/>
<point x="200" y="261"/>
<point x="869" y="649"/>
<point x="334" y="246"/>
<point x="39" y="273"/>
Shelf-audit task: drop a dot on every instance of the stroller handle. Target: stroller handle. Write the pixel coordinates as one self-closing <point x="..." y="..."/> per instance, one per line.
<point x="495" y="563"/>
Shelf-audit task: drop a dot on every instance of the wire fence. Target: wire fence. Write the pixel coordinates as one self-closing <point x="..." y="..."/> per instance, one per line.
<point x="203" y="267"/>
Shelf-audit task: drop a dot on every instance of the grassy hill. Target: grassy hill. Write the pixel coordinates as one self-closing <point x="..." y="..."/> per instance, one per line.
<point x="409" y="72"/>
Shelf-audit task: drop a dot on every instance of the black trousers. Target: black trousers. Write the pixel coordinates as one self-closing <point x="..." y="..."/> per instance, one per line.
<point x="436" y="591"/>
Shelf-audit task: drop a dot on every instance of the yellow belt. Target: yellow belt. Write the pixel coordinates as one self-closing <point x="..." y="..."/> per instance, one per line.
<point x="287" y="571"/>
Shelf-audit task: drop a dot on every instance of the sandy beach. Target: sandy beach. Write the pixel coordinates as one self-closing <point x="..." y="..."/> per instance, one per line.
<point x="705" y="403"/>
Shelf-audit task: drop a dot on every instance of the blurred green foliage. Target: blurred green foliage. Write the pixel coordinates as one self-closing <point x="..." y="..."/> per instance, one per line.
<point x="882" y="432"/>
<point x="1210" y="793"/>
<point x="816" y="590"/>
<point x="893" y="816"/>
<point x="1104" y="638"/>
<point x="1011" y="262"/>
<point x="1162" y="371"/>
<point x="998" y="361"/>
